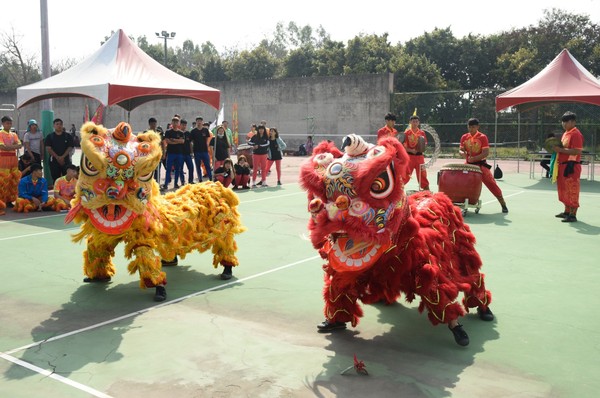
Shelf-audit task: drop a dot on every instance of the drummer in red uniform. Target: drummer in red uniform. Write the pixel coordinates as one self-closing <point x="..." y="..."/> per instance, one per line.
<point x="414" y="142"/>
<point x="569" y="168"/>
<point x="388" y="130"/>
<point x="475" y="148"/>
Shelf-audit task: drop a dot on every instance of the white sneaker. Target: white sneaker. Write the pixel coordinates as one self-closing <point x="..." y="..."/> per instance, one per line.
<point x="253" y="185"/>
<point x="265" y="185"/>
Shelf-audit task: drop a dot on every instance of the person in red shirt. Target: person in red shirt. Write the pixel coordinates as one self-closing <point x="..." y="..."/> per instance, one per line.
<point x="388" y="130"/>
<point x="475" y="148"/>
<point x="414" y="143"/>
<point x="569" y="169"/>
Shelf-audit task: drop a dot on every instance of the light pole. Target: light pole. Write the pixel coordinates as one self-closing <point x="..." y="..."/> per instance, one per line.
<point x="166" y="36"/>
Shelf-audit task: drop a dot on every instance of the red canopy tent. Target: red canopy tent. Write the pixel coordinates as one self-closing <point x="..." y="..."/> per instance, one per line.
<point x="119" y="73"/>
<point x="562" y="80"/>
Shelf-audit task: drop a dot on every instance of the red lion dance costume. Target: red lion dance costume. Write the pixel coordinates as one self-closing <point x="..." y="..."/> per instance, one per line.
<point x="378" y="243"/>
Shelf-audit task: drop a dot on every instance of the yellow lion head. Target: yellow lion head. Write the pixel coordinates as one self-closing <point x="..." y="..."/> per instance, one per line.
<point x="115" y="182"/>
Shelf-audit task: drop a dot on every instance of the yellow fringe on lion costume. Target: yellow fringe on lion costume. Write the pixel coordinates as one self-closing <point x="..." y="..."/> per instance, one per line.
<point x="118" y="200"/>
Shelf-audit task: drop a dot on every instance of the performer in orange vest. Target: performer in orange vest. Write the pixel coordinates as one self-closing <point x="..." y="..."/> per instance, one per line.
<point x="9" y="164"/>
<point x="569" y="168"/>
<point x="414" y="143"/>
<point x="388" y="130"/>
<point x="475" y="148"/>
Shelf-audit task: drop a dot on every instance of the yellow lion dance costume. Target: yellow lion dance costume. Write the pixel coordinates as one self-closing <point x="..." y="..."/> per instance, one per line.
<point x="118" y="200"/>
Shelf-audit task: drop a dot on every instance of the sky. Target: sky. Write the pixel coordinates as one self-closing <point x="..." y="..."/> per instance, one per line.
<point x="77" y="27"/>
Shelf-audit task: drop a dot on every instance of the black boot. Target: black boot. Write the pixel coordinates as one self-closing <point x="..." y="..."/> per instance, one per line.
<point x="485" y="315"/>
<point x="227" y="272"/>
<point x="160" y="294"/>
<point x="327" y="326"/>
<point x="460" y="336"/>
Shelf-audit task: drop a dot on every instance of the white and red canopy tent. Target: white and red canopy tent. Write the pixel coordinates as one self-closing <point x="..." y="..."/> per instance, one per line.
<point x="119" y="73"/>
<point x="563" y="80"/>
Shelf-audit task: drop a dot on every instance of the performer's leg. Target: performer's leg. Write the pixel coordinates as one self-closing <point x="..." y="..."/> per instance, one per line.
<point x="340" y="305"/>
<point x="488" y="180"/>
<point x="97" y="259"/>
<point x="424" y="182"/>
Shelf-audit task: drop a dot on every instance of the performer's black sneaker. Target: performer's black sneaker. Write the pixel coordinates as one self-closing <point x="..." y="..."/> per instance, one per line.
<point x="460" y="336"/>
<point x="227" y="273"/>
<point x="569" y="218"/>
<point x="160" y="294"/>
<point x="94" y="280"/>
<point x="561" y="215"/>
<point x="504" y="209"/>
<point x="326" y="326"/>
<point x="485" y="315"/>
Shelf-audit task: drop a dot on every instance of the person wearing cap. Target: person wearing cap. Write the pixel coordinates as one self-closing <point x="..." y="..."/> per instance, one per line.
<point x="200" y="137"/>
<point x="32" y="141"/>
<point x="568" y="182"/>
<point x="33" y="192"/>
<point x="475" y="148"/>
<point x="414" y="143"/>
<point x="388" y="130"/>
<point x="9" y="171"/>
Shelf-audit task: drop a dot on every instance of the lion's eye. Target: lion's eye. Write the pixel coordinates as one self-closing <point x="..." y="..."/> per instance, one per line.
<point x="87" y="167"/>
<point x="383" y="185"/>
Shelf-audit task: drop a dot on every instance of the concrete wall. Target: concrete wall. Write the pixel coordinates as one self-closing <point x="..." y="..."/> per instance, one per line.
<point x="322" y="106"/>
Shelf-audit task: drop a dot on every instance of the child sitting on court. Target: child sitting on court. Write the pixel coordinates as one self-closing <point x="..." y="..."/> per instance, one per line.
<point x="242" y="173"/>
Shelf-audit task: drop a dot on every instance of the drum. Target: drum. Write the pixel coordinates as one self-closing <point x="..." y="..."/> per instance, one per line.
<point x="246" y="150"/>
<point x="460" y="182"/>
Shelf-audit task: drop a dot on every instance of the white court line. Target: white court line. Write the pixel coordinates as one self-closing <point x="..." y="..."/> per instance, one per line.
<point x="54" y="376"/>
<point x="39" y="233"/>
<point x="507" y="196"/>
<point x="7" y="355"/>
<point x="32" y="218"/>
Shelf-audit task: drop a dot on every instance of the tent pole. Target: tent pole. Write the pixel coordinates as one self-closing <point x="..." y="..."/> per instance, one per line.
<point x="495" y="139"/>
<point x="128" y="117"/>
<point x="518" y="139"/>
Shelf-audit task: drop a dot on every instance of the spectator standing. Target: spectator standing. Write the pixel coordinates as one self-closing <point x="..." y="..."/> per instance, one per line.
<point x="174" y="140"/>
<point x="308" y="147"/>
<point x="153" y="127"/>
<point x="221" y="147"/>
<point x="186" y="154"/>
<point x="275" y="152"/>
<point x="260" y="147"/>
<point x="33" y="140"/>
<point x="229" y="135"/>
<point x="200" y="137"/>
<point x="59" y="146"/>
<point x="251" y="133"/>
<point x="9" y="171"/>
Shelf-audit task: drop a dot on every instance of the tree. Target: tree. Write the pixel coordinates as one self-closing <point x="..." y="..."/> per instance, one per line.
<point x="300" y="62"/>
<point x="214" y="71"/>
<point x="330" y="58"/>
<point x="16" y="67"/>
<point x="255" y="64"/>
<point x="368" y="54"/>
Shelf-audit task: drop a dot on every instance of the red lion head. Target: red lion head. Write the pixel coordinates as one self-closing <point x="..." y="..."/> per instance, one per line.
<point x="356" y="199"/>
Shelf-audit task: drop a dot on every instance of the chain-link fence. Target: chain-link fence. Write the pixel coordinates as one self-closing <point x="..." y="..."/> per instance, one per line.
<point x="448" y="111"/>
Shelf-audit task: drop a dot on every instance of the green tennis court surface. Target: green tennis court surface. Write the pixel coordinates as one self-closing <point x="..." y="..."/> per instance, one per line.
<point x="255" y="335"/>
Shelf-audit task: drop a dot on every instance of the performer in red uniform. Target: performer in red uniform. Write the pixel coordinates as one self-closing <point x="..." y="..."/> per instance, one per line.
<point x="475" y="148"/>
<point x="414" y="148"/>
<point x="569" y="169"/>
<point x="9" y="170"/>
<point x="388" y="130"/>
